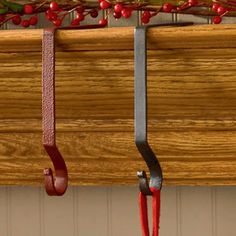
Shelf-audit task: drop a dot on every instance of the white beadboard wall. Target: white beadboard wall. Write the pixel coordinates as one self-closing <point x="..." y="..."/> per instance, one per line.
<point x="113" y="211"/>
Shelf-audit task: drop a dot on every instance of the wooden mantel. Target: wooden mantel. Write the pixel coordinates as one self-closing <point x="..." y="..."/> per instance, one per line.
<point x="192" y="105"/>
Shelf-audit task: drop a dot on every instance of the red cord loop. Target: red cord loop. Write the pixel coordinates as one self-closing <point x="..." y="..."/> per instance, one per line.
<point x="156" y="194"/>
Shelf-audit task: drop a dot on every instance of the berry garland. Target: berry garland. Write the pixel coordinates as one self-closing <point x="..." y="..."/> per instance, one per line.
<point x="55" y="11"/>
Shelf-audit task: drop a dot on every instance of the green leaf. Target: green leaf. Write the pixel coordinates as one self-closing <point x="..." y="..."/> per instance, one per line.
<point x="3" y="10"/>
<point x="15" y="7"/>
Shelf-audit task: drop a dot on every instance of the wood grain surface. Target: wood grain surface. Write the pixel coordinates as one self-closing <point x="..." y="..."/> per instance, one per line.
<point x="192" y="105"/>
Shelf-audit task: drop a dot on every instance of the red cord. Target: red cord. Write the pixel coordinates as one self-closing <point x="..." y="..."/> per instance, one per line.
<point x="143" y="214"/>
<point x="155" y="212"/>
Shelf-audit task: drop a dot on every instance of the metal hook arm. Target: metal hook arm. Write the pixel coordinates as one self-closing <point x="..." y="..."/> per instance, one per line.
<point x="141" y="140"/>
<point x="54" y="185"/>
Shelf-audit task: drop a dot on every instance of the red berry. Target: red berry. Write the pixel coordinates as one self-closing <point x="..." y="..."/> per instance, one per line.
<point x="54" y="6"/>
<point x="215" y="6"/>
<point x="221" y="10"/>
<point x="103" y="22"/>
<point x="75" y="22"/>
<point x="54" y="16"/>
<point x="104" y="4"/>
<point x="146" y="17"/>
<point x="16" y="20"/>
<point x="57" y="22"/>
<point x="48" y="14"/>
<point x="217" y="20"/>
<point x="33" y="20"/>
<point x="147" y="14"/>
<point x="118" y="8"/>
<point x="80" y="9"/>
<point x="28" y="9"/>
<point x="25" y="23"/>
<point x="117" y="15"/>
<point x="192" y="3"/>
<point x="80" y="16"/>
<point x="126" y="13"/>
<point x="94" y="13"/>
<point x="167" y="7"/>
<point x="145" y="20"/>
<point x="51" y="15"/>
<point x="2" y="18"/>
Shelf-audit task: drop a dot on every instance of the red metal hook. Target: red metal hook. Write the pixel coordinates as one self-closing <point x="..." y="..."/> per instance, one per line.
<point x="54" y="185"/>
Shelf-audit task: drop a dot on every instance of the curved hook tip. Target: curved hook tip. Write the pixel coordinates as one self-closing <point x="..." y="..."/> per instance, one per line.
<point x="50" y="184"/>
<point x="143" y="183"/>
<point x="47" y="171"/>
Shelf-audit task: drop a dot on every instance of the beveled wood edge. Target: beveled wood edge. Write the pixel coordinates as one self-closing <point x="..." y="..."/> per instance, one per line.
<point x="197" y="36"/>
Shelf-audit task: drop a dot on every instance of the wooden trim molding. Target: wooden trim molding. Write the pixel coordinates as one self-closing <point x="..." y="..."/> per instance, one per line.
<point x="192" y="105"/>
